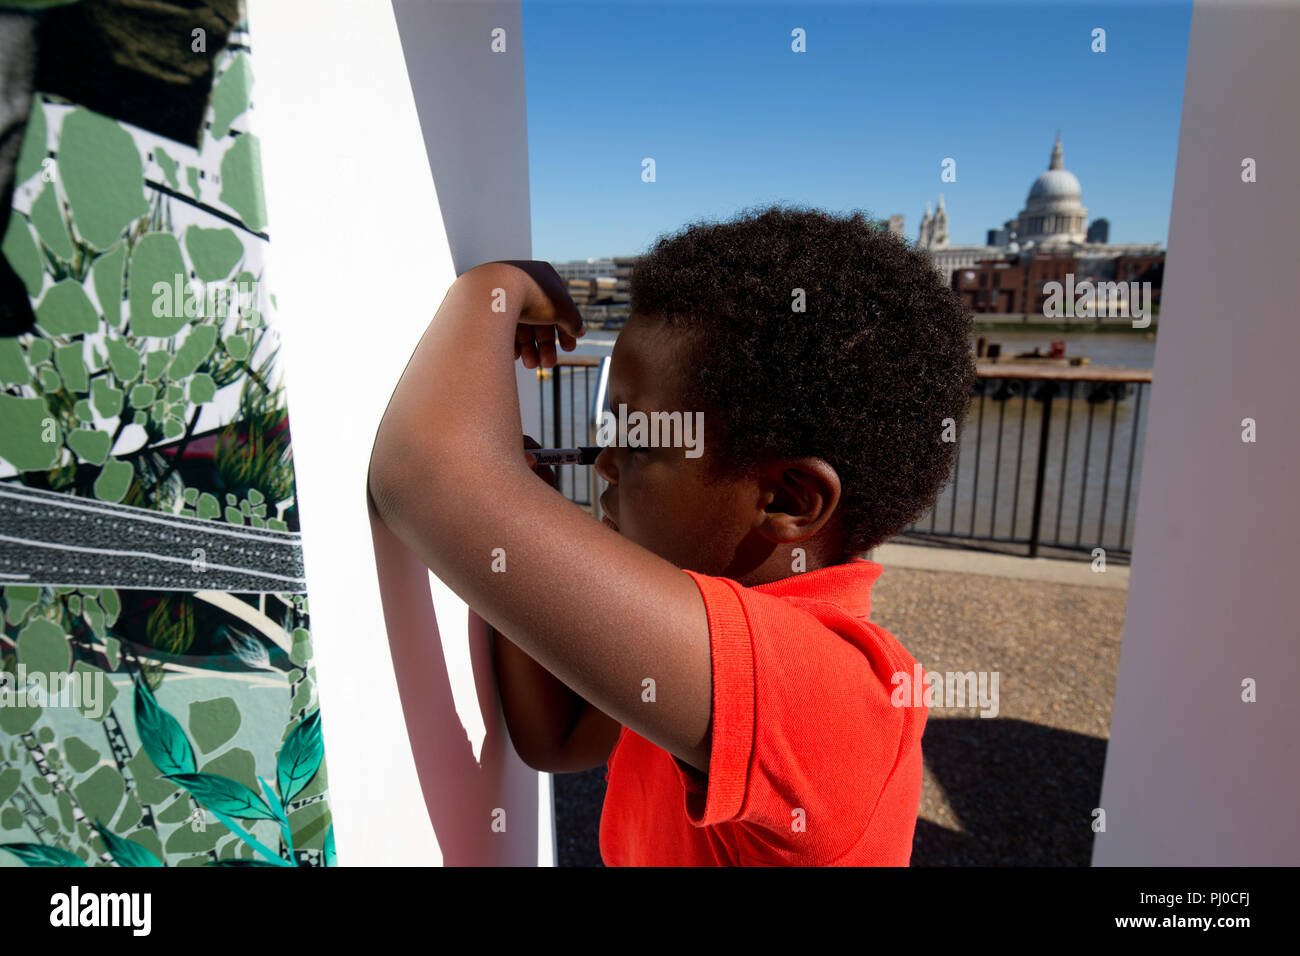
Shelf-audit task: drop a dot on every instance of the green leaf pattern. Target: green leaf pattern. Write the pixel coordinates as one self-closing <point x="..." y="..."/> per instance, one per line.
<point x="111" y="377"/>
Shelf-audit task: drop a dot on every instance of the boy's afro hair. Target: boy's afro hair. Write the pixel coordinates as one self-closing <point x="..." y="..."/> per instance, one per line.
<point x="864" y="378"/>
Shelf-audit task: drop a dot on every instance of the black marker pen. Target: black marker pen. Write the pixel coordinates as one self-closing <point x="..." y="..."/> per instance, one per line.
<point x="586" y="455"/>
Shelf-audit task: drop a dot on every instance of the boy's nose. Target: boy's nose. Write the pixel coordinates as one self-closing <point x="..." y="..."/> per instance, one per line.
<point x="605" y="467"/>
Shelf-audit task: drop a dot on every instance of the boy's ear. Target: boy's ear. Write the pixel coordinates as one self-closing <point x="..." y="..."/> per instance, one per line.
<point x="800" y="496"/>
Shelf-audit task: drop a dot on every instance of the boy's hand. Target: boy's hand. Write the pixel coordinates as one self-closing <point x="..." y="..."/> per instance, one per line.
<point x="546" y="312"/>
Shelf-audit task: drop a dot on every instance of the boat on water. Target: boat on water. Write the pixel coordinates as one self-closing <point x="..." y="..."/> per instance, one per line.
<point x="991" y="352"/>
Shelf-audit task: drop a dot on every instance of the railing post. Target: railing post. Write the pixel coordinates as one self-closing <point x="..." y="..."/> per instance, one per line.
<point x="1049" y="388"/>
<point x="593" y="427"/>
<point x="555" y="407"/>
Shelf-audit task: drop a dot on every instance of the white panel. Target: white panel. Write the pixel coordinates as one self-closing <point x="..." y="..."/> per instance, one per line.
<point x="359" y="263"/>
<point x="1194" y="775"/>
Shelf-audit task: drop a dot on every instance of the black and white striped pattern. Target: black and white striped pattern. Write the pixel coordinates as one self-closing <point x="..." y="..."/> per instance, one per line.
<point x="58" y="540"/>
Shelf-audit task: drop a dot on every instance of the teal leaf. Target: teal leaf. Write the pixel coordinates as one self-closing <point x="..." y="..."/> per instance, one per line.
<point x="124" y="360"/>
<point x="241" y="181"/>
<point x="71" y="362"/>
<point x="90" y="445"/>
<point x="270" y="801"/>
<point x="126" y="852"/>
<point x="223" y="795"/>
<point x="48" y="220"/>
<point x="244" y="863"/>
<point x="107" y="399"/>
<point x="161" y="735"/>
<point x="331" y="858"/>
<point x="286" y="831"/>
<point x="108" y="272"/>
<point x="300" y="757"/>
<point x="27" y="423"/>
<point x="114" y="480"/>
<point x="35" y="144"/>
<point x="102" y="174"/>
<point x="67" y="310"/>
<point x="214" y="252"/>
<point x="231" y="94"/>
<point x="168" y="166"/>
<point x="202" y="387"/>
<point x="38" y="854"/>
<point x="248" y="838"/>
<point x="156" y="289"/>
<point x="21" y="251"/>
<point x="198" y="346"/>
<point x="237" y="346"/>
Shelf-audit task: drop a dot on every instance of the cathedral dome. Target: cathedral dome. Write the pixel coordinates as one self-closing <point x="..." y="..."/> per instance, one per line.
<point x="1056" y="184"/>
<point x="1054" y="214"/>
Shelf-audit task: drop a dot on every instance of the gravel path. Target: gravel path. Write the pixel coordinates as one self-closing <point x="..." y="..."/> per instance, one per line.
<point x="1014" y="790"/>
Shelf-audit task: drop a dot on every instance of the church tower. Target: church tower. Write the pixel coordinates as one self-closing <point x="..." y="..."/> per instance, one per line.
<point x="939" y="227"/>
<point x="927" y="222"/>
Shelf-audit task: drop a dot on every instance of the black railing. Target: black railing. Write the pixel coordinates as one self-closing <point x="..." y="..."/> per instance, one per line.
<point x="1061" y="487"/>
<point x="565" y="395"/>
<point x="1070" y="483"/>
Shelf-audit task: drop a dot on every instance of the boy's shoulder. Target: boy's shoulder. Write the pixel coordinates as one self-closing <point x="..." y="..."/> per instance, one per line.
<point x="829" y="603"/>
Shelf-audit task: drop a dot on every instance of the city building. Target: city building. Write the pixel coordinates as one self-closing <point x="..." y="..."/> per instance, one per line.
<point x="893" y="225"/>
<point x="599" y="287"/>
<point x="1047" y="240"/>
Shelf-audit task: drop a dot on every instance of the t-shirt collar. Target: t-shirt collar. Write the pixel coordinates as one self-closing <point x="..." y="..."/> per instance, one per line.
<point x="848" y="585"/>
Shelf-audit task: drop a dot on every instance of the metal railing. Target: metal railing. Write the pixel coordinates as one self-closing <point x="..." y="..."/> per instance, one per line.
<point x="571" y="397"/>
<point x="1056" y="412"/>
<point x="1049" y="456"/>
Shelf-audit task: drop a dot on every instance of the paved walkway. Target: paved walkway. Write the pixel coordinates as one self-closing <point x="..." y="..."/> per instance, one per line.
<point x="1017" y="789"/>
<point x="1074" y="571"/>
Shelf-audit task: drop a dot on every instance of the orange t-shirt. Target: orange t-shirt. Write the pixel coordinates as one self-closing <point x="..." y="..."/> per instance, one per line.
<point x="811" y="763"/>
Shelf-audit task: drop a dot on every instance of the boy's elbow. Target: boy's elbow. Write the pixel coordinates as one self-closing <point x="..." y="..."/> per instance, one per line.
<point x="387" y="480"/>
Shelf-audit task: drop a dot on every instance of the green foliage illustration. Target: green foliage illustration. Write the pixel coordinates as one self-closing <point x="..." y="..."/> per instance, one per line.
<point x="151" y="381"/>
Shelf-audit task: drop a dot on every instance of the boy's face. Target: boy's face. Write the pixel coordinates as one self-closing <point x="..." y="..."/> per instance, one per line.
<point x="658" y="497"/>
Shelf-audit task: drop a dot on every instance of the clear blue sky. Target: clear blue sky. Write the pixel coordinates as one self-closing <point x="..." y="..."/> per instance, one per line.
<point x="863" y="119"/>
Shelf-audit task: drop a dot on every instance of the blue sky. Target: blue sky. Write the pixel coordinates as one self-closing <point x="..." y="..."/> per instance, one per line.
<point x="862" y="120"/>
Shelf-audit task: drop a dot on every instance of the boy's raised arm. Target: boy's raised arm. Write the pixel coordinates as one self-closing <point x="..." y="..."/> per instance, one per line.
<point x="448" y="476"/>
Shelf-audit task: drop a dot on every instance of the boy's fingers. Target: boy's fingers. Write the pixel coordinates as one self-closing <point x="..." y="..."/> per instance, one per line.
<point x="526" y="346"/>
<point x="570" y="322"/>
<point x="546" y="345"/>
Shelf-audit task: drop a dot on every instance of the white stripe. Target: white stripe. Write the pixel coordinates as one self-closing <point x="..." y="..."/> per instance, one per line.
<point x="264" y="535"/>
<point x="146" y="554"/>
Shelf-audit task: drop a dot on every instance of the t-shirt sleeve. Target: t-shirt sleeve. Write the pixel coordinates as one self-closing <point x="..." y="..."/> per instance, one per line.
<point x="804" y="732"/>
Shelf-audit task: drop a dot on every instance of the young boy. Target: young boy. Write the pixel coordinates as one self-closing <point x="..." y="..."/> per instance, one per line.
<point x="710" y="637"/>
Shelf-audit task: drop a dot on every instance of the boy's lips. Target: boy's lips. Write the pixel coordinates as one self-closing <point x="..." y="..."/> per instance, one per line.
<point x="605" y="510"/>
